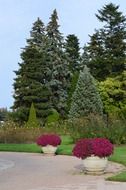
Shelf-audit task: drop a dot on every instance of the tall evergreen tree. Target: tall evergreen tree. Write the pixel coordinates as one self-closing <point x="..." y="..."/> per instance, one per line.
<point x="72" y="49"/>
<point x="86" y="99"/>
<point x="105" y="54"/>
<point x="29" y="85"/>
<point x="57" y="62"/>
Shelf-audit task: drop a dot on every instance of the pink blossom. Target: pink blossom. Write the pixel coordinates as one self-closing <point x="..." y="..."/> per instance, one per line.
<point x="49" y="139"/>
<point x="98" y="147"/>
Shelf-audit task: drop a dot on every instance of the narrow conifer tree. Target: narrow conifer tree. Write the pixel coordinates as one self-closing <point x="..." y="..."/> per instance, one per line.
<point x="58" y="65"/>
<point x="72" y="51"/>
<point x="32" y="119"/>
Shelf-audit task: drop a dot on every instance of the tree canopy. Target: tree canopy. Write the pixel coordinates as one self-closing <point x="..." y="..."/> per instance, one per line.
<point x="105" y="54"/>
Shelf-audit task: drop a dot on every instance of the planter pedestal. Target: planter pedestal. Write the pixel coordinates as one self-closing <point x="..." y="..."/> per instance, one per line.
<point x="49" y="150"/>
<point x="95" y="165"/>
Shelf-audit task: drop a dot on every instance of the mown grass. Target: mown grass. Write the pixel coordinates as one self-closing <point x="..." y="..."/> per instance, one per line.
<point x="120" y="177"/>
<point x="65" y="148"/>
<point x="119" y="156"/>
<point x="20" y="148"/>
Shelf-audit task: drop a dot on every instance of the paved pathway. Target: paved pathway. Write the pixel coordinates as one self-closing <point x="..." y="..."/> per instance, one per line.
<point x="28" y="171"/>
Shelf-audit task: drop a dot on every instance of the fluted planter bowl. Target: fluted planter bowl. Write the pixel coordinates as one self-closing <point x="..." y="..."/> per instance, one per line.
<point x="95" y="165"/>
<point x="49" y="150"/>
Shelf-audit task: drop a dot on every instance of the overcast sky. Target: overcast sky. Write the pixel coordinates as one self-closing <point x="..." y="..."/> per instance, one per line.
<point x="16" y="18"/>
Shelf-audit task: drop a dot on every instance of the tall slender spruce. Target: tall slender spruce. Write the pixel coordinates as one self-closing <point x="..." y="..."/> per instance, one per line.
<point x="72" y="51"/>
<point x="59" y="76"/>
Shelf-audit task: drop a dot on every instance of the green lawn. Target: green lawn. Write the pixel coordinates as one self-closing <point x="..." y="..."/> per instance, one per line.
<point x="120" y="157"/>
<point x="120" y="177"/>
<point x="62" y="149"/>
<point x="66" y="149"/>
<point x="20" y="147"/>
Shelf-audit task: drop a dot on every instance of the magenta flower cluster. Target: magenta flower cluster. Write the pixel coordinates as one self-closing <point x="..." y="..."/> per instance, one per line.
<point x="100" y="147"/>
<point x="49" y="139"/>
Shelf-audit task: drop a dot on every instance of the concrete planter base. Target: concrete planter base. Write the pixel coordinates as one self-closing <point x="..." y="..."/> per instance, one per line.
<point x="49" y="149"/>
<point x="95" y="165"/>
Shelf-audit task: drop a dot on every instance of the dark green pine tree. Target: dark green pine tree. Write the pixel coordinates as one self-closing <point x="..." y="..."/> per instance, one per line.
<point x="57" y="63"/>
<point x="29" y="85"/>
<point x="86" y="99"/>
<point x="73" y="52"/>
<point x="105" y="54"/>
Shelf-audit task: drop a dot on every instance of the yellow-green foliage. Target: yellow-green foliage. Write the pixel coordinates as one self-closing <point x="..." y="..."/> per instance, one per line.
<point x="53" y="117"/>
<point x="32" y="119"/>
<point x="113" y="94"/>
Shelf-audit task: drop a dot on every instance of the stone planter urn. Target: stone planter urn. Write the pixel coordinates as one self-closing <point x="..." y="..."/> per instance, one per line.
<point x="49" y="143"/>
<point x="49" y="149"/>
<point x="94" y="154"/>
<point x="95" y="165"/>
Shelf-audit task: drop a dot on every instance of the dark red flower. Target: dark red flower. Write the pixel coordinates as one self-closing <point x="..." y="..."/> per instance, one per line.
<point x="98" y="147"/>
<point x="50" y="139"/>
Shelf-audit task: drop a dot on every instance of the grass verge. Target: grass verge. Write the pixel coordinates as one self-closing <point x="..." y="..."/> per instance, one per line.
<point x="65" y="148"/>
<point x="120" y="177"/>
<point x="119" y="156"/>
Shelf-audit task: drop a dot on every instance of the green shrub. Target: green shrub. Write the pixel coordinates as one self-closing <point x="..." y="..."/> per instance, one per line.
<point x="87" y="127"/>
<point x="94" y="126"/>
<point x="20" y="135"/>
<point x="32" y="119"/>
<point x="53" y="117"/>
<point x="117" y="131"/>
<point x="12" y="132"/>
<point x="113" y="94"/>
